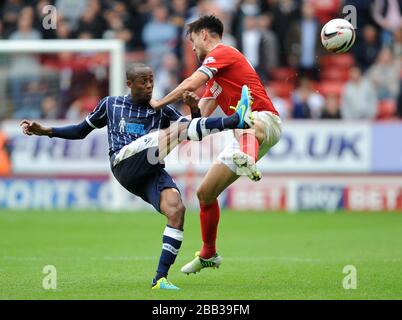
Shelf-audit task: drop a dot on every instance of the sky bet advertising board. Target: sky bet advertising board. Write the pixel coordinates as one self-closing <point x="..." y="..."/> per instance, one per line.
<point x="57" y="173"/>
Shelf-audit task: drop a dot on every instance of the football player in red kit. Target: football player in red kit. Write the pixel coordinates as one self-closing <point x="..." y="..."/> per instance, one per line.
<point x="230" y="79"/>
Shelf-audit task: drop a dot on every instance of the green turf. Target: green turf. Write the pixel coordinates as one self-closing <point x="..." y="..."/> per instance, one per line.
<point x="266" y="256"/>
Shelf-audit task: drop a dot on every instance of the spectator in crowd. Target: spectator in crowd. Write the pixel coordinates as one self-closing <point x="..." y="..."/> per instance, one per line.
<point x="259" y="44"/>
<point x="226" y="19"/>
<point x="178" y="18"/>
<point x="325" y="10"/>
<point x="159" y="36"/>
<point x="25" y="70"/>
<point x="306" y="102"/>
<point x="332" y="108"/>
<point x="271" y="33"/>
<point x="10" y="16"/>
<point x="363" y="10"/>
<point x="116" y="27"/>
<point x="227" y="6"/>
<point x="49" y="108"/>
<point x="269" y="48"/>
<point x="284" y="13"/>
<point x="251" y="39"/>
<point x="63" y="30"/>
<point x="359" y="98"/>
<point x="367" y="48"/>
<point x="1" y="29"/>
<point x="280" y="104"/>
<point x="397" y="44"/>
<point x="244" y="8"/>
<point x="84" y="104"/>
<point x="179" y="13"/>
<point x="47" y="33"/>
<point x="388" y="15"/>
<point x="71" y="10"/>
<point x="166" y="77"/>
<point x="385" y="74"/>
<point x="91" y="20"/>
<point x="304" y="46"/>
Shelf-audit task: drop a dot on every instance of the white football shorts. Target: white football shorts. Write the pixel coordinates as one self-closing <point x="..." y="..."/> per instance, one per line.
<point x="273" y="132"/>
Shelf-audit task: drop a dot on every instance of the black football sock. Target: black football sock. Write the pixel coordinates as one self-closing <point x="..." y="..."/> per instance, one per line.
<point x="201" y="127"/>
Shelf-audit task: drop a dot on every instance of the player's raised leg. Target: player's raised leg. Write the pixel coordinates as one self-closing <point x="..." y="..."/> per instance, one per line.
<point x="172" y="207"/>
<point x="198" y="128"/>
<point x="249" y="140"/>
<point x="217" y="179"/>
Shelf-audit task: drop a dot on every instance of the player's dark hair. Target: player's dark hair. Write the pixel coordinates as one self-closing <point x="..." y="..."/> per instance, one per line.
<point x="210" y="23"/>
<point x="131" y="70"/>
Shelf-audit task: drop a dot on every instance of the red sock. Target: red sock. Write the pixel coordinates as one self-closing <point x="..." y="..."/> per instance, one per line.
<point x="209" y="216"/>
<point x="249" y="145"/>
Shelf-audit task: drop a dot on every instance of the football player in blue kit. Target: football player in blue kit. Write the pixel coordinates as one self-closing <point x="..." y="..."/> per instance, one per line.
<point x="139" y="139"/>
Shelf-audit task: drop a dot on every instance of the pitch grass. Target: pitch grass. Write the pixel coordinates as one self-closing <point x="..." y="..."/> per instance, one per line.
<point x="266" y="256"/>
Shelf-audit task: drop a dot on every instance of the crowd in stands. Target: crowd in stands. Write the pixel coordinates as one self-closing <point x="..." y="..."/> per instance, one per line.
<point x="281" y="39"/>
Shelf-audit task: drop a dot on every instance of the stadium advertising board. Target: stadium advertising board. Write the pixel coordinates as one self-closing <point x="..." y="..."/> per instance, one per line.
<point x="319" y="196"/>
<point x="273" y="193"/>
<point x="377" y="197"/>
<point x="346" y="193"/>
<point x="43" y="156"/>
<point x="305" y="147"/>
<point x="268" y="194"/>
<point x="321" y="147"/>
<point x="387" y="147"/>
<point x="47" y="194"/>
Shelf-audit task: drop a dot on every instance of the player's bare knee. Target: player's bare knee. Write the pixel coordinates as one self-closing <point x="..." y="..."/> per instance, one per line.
<point x="175" y="214"/>
<point x="205" y="196"/>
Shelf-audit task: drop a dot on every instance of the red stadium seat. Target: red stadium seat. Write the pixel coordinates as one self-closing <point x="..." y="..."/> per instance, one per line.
<point x="334" y="74"/>
<point x="281" y="89"/>
<point x="331" y="87"/>
<point x="284" y="74"/>
<point x="386" y="110"/>
<point x="344" y="61"/>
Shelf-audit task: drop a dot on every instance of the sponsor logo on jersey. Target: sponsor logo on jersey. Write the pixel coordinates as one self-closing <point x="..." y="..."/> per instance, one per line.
<point x="209" y="60"/>
<point x="122" y="125"/>
<point x="216" y="89"/>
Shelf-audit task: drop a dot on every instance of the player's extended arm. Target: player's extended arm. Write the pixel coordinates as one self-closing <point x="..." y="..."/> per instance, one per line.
<point x="196" y="80"/>
<point x="73" y="132"/>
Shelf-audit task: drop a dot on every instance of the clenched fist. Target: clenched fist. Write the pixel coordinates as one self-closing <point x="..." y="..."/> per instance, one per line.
<point x="191" y="99"/>
<point x="34" y="128"/>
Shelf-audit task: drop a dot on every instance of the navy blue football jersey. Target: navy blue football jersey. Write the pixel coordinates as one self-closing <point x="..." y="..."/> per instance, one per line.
<point x="126" y="120"/>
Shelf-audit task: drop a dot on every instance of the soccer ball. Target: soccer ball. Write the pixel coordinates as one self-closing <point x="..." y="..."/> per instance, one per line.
<point x="338" y="35"/>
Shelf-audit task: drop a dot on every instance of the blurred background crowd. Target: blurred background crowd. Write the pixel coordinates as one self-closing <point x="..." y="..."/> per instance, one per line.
<point x="281" y="39"/>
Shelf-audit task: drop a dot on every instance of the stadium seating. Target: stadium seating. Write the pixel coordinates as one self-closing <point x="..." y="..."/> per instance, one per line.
<point x="330" y="87"/>
<point x="282" y="89"/>
<point x="343" y="61"/>
<point x="335" y="74"/>
<point x="284" y="74"/>
<point x="386" y="110"/>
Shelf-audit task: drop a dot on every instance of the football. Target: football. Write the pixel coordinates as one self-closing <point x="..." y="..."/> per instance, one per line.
<point x="338" y="35"/>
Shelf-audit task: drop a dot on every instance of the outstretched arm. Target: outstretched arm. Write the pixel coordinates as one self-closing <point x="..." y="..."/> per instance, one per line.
<point x="73" y="132"/>
<point x="196" y="80"/>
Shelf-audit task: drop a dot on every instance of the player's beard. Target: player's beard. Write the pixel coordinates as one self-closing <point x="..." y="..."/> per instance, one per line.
<point x="201" y="57"/>
<point x="201" y="54"/>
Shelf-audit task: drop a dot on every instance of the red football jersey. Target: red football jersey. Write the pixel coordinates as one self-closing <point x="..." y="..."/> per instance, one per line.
<point x="228" y="70"/>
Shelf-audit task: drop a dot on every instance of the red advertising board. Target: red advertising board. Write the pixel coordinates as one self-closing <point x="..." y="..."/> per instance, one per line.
<point x="373" y="197"/>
